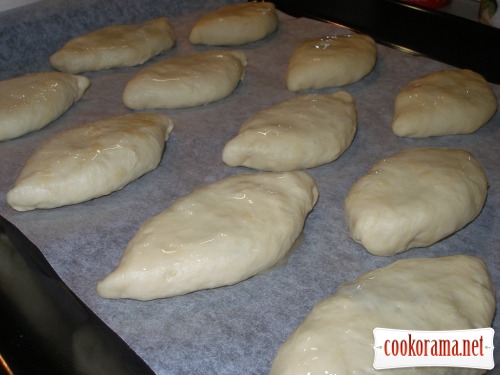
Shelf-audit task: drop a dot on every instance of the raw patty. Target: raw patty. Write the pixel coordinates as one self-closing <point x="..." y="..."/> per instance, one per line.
<point x="331" y="62"/>
<point x="186" y="81"/>
<point x="415" y="198"/>
<point x="443" y="103"/>
<point x="115" y="46"/>
<point x="30" y="102"/>
<point x="299" y="133"/>
<point x="90" y="161"/>
<point x="217" y="235"/>
<point x="235" y="24"/>
<point x="448" y="293"/>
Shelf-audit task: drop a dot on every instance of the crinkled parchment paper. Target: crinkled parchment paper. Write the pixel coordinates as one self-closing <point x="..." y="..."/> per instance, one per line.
<point x="237" y="329"/>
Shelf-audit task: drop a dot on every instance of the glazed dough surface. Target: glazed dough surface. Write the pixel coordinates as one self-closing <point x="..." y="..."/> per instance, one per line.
<point x="415" y="198"/>
<point x="90" y="161"/>
<point x="217" y="235"/>
<point x="186" y="81"/>
<point x="235" y="24"/>
<point x="302" y="132"/>
<point x="30" y="102"/>
<point x="443" y="103"/>
<point x="331" y="62"/>
<point x="447" y="293"/>
<point x="115" y="46"/>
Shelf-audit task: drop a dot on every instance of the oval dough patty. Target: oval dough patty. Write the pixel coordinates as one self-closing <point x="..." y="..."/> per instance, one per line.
<point x="302" y="132"/>
<point x="217" y="235"/>
<point x="448" y="293"/>
<point x="186" y="81"/>
<point x="331" y="62"/>
<point x="235" y="24"/>
<point x="115" y="46"/>
<point x="30" y="102"/>
<point x="90" y="161"/>
<point x="415" y="198"/>
<point x="442" y="103"/>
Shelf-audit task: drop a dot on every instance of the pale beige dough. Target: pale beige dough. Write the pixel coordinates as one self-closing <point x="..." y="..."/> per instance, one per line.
<point x="186" y="81"/>
<point x="299" y="133"/>
<point x="443" y="103"/>
<point x="90" y="161"/>
<point x="30" y="102"/>
<point x="447" y="293"/>
<point x="415" y="198"/>
<point x="217" y="235"/>
<point x="235" y="24"/>
<point x="331" y="61"/>
<point x="115" y="46"/>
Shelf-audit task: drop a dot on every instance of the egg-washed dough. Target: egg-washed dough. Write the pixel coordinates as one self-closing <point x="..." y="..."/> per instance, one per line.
<point x="115" y="46"/>
<point x="186" y="81"/>
<point x="302" y="132"/>
<point x="30" y="102"/>
<point x="447" y="293"/>
<point x="331" y="62"/>
<point x="235" y="24"/>
<point x="90" y="161"/>
<point x="443" y="103"/>
<point x="415" y="198"/>
<point x="217" y="235"/>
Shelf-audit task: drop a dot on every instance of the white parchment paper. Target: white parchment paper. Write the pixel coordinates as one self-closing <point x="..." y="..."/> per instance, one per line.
<point x="238" y="329"/>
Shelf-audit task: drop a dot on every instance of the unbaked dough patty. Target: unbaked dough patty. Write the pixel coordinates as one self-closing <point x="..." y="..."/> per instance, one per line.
<point x="217" y="235"/>
<point x="415" y="198"/>
<point x="302" y="132"/>
<point x="443" y="103"/>
<point x="90" y="161"/>
<point x="31" y="102"/>
<point x="186" y="81"/>
<point x="235" y="24"/>
<point x="115" y="46"/>
<point x="448" y="293"/>
<point x="331" y="61"/>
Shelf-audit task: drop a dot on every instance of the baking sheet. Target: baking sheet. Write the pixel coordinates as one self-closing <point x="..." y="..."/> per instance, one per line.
<point x="238" y="329"/>
<point x="61" y="335"/>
